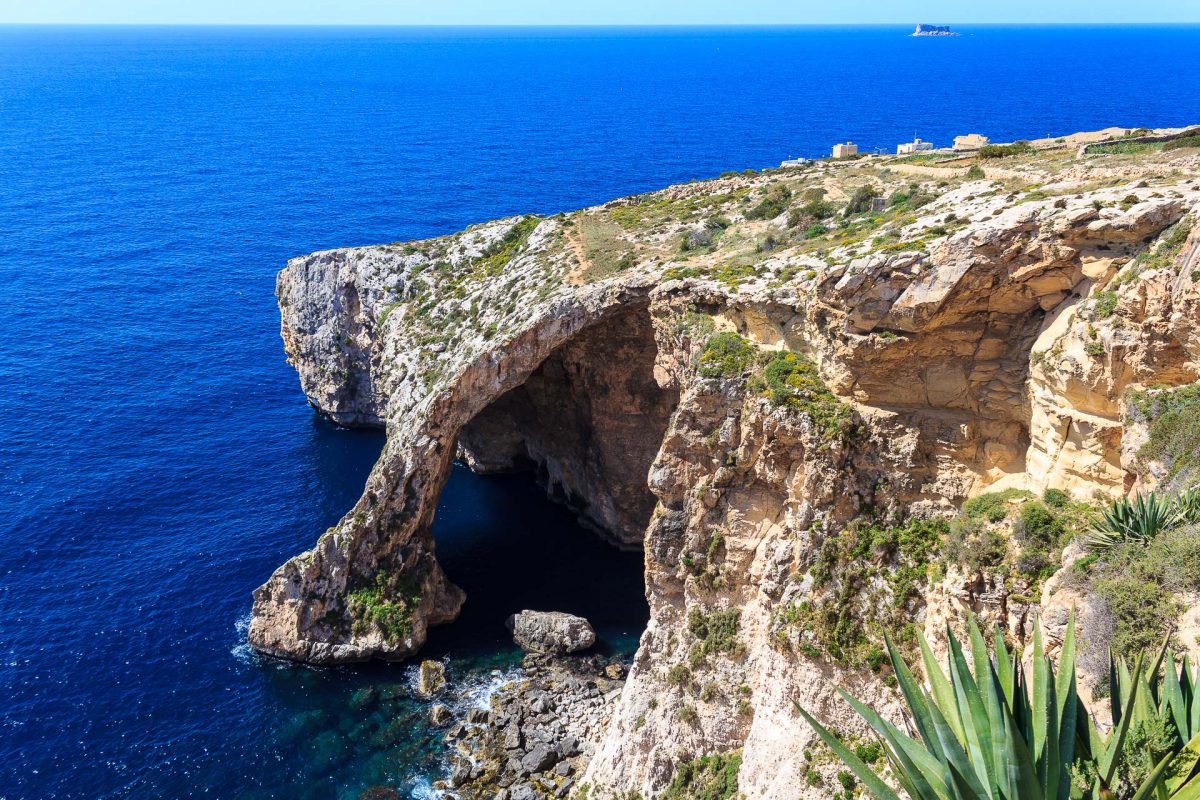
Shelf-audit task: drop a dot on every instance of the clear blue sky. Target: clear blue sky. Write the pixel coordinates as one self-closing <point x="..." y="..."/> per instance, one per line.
<point x="593" y="12"/>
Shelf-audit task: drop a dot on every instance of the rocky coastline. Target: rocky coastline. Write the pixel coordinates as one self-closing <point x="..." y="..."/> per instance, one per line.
<point x="821" y="417"/>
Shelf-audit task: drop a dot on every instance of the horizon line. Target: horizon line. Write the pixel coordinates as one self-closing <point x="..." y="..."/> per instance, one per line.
<point x="577" y="25"/>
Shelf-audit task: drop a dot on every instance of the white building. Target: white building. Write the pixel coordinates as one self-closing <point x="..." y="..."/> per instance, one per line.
<point x="972" y="141"/>
<point x="915" y="146"/>
<point x="845" y="150"/>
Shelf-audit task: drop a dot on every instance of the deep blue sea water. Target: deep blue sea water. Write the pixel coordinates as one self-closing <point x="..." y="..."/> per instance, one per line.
<point x="156" y="455"/>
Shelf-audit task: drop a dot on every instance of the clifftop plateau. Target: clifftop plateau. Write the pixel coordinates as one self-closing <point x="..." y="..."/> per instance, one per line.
<point x="782" y="386"/>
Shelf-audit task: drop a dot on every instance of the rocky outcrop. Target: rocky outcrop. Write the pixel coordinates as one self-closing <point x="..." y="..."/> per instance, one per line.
<point x="551" y="632"/>
<point x="760" y="409"/>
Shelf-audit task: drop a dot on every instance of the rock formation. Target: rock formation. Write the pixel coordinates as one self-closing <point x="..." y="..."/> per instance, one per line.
<point x="772" y="410"/>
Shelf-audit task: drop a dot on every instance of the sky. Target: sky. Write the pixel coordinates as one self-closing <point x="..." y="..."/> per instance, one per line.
<point x="590" y="12"/>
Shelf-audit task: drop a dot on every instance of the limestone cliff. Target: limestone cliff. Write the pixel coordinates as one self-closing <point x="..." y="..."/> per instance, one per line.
<point x="765" y="383"/>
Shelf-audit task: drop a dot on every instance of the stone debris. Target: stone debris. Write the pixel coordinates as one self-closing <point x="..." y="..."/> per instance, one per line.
<point x="538" y="734"/>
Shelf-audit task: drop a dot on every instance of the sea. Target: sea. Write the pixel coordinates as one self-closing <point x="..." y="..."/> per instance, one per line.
<point x="157" y="458"/>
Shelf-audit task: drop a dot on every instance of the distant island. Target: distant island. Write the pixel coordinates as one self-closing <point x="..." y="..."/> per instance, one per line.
<point x="933" y="30"/>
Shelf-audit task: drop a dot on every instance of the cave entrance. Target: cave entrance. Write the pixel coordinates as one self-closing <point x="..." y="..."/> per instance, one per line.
<point x="549" y="501"/>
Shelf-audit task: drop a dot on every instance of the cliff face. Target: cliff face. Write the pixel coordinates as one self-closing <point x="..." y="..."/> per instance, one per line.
<point x="767" y="388"/>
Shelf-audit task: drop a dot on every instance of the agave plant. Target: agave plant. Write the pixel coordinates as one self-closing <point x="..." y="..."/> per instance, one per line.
<point x="1137" y="520"/>
<point x="1165" y="694"/>
<point x="1188" y="504"/>
<point x="989" y="733"/>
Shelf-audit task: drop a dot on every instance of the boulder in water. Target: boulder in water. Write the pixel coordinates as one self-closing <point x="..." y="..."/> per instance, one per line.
<point x="431" y="678"/>
<point x="551" y="632"/>
<point x="439" y="715"/>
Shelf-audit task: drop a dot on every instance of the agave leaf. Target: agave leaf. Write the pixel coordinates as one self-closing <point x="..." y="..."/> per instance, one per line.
<point x="869" y="779"/>
<point x="1183" y="766"/>
<point x="943" y="693"/>
<point x="954" y="755"/>
<point x="1022" y="781"/>
<point x="1114" y="690"/>
<point x="1004" y="667"/>
<point x="1116" y="738"/>
<point x="918" y="704"/>
<point x="1172" y="699"/>
<point x="975" y="722"/>
<point x="925" y="774"/>
<point x="1068" y="698"/>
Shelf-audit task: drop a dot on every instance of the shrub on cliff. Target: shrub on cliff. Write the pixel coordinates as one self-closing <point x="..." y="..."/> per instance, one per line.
<point x="792" y="381"/>
<point x="1137" y="579"/>
<point x="860" y="201"/>
<point x="711" y="777"/>
<point x="1174" y="418"/>
<point x="1005" y="150"/>
<point x="993" y="506"/>
<point x="725" y="355"/>
<point x="774" y="203"/>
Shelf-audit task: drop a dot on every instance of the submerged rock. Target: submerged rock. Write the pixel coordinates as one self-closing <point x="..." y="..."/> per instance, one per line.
<point x="551" y="632"/>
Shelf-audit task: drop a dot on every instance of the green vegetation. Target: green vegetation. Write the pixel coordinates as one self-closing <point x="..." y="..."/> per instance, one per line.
<point x="716" y="633"/>
<point x="867" y="576"/>
<point x="607" y="253"/>
<point x="978" y="540"/>
<point x="725" y="355"/>
<point x="1105" y="304"/>
<point x="1192" y="139"/>
<point x="1125" y="148"/>
<point x="912" y="197"/>
<point x="774" y="203"/>
<point x="729" y="274"/>
<point x="792" y="381"/>
<point x="644" y="211"/>
<point x="497" y="255"/>
<point x="1143" y="557"/>
<point x="1139" y="520"/>
<point x="711" y="777"/>
<point x="975" y="173"/>
<point x="993" y="506"/>
<point x="860" y="201"/>
<point x="1005" y="150"/>
<point x="387" y="603"/>
<point x="1174" y="418"/>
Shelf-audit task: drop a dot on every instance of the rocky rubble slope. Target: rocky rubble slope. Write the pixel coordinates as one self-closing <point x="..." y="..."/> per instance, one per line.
<point x="777" y="388"/>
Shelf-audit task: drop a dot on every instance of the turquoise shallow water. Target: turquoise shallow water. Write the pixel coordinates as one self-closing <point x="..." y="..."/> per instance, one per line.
<point x="158" y="460"/>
